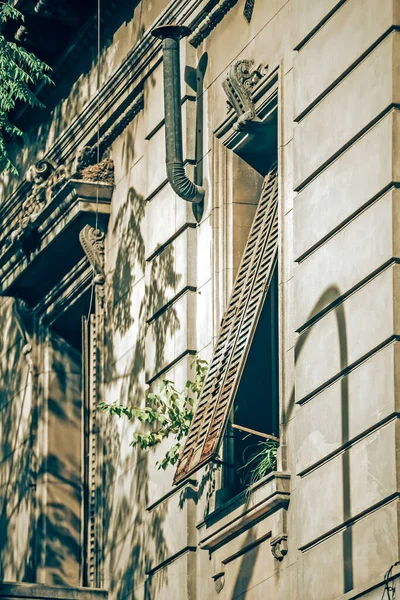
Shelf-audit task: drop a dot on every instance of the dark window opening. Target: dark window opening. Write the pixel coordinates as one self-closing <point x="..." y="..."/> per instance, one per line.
<point x="256" y="404"/>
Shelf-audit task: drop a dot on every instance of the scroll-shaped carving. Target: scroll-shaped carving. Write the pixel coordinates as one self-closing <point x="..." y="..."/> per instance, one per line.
<point x="46" y="179"/>
<point x="92" y="242"/>
<point x="238" y="85"/>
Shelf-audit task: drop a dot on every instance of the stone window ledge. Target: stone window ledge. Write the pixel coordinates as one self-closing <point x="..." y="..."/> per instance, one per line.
<point x="42" y="591"/>
<point x="267" y="496"/>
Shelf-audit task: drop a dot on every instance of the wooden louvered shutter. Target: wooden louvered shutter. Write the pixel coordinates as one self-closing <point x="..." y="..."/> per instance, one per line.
<point x="237" y="331"/>
<point x="90" y="376"/>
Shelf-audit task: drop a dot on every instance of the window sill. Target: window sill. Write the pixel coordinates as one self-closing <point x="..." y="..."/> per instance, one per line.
<point x="270" y="494"/>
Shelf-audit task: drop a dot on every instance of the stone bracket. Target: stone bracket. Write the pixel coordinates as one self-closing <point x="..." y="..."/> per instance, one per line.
<point x="267" y="504"/>
<point x="238" y="85"/>
<point x="279" y="547"/>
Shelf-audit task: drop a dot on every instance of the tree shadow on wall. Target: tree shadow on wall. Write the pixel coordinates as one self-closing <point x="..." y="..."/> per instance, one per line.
<point x="134" y="538"/>
<point x="247" y="563"/>
<point x="59" y="525"/>
<point x="18" y="417"/>
<point x="76" y="84"/>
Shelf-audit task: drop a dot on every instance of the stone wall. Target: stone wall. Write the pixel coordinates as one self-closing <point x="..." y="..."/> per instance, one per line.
<point x="345" y="239"/>
<point x="168" y="277"/>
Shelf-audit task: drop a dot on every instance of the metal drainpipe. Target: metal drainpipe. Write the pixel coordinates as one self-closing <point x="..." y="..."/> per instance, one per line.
<point x="180" y="183"/>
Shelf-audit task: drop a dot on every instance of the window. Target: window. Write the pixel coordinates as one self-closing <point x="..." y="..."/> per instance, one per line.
<point x="247" y="343"/>
<point x="256" y="404"/>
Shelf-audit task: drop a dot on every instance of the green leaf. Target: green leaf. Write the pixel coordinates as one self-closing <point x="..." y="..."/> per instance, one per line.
<point x="20" y="72"/>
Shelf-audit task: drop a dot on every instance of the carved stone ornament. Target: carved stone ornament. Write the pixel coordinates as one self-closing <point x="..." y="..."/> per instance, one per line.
<point x="92" y="242"/>
<point x="238" y="85"/>
<point x="279" y="547"/>
<point x="46" y="179"/>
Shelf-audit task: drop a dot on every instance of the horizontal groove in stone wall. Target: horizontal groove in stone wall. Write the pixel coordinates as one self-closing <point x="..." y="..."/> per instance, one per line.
<point x="319" y="25"/>
<point x="318" y="316"/>
<point x="167" y="305"/>
<point x="167" y="242"/>
<point x="350" y="142"/>
<point x="344" y="74"/>
<point x="349" y="368"/>
<point x="390" y="186"/>
<point x="351" y="521"/>
<point x="151" y="572"/>
<point x="188" y="161"/>
<point x="192" y="483"/>
<point x="171" y="364"/>
<point x="349" y="444"/>
<point x="153" y="131"/>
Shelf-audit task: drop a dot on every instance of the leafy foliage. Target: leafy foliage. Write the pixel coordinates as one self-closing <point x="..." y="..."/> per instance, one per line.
<point x="169" y="413"/>
<point x="20" y="71"/>
<point x="261" y="462"/>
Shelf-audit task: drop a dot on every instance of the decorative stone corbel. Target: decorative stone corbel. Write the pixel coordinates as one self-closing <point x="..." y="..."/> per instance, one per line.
<point x="46" y="180"/>
<point x="279" y="546"/>
<point x="92" y="242"/>
<point x="238" y="85"/>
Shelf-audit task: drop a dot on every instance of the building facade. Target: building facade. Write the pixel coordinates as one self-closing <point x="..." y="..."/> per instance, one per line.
<point x="225" y="188"/>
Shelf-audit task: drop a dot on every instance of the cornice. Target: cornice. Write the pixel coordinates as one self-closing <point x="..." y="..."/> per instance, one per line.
<point x="210" y="21"/>
<point x="75" y="203"/>
<point x="126" y="83"/>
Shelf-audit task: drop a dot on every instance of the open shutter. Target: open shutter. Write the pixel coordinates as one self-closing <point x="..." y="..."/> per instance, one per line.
<point x="236" y="334"/>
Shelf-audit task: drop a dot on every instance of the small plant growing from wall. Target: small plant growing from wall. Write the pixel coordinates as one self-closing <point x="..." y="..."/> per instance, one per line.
<point x="20" y="72"/>
<point x="169" y="413"/>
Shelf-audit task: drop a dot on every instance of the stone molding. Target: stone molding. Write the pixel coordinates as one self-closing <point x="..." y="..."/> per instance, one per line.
<point x="126" y="85"/>
<point x="24" y="317"/>
<point x="89" y="155"/>
<point x="43" y="591"/>
<point x="92" y="242"/>
<point x="210" y="21"/>
<point x="279" y="547"/>
<point x="267" y="496"/>
<point x="76" y="199"/>
<point x="61" y="297"/>
<point x="46" y="180"/>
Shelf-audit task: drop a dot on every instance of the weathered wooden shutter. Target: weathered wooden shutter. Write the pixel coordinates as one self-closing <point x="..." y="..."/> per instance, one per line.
<point x="90" y="376"/>
<point x="237" y="331"/>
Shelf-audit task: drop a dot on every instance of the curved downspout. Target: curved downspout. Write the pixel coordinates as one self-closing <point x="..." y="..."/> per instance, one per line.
<point x="180" y="183"/>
